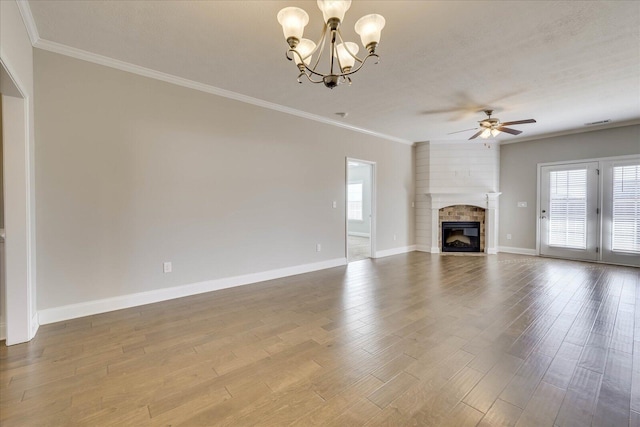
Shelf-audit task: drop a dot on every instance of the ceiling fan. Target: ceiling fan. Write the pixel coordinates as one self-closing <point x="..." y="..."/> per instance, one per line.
<point x="492" y="127"/>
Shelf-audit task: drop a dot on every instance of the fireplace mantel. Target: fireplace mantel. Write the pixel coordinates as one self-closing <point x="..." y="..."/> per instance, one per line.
<point x="482" y="200"/>
<point x="487" y="201"/>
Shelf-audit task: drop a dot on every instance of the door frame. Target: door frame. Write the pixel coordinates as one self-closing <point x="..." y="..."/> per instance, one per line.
<point x="607" y="255"/>
<point x="601" y="161"/>
<point x="593" y="233"/>
<point x="372" y="232"/>
<point x="19" y="202"/>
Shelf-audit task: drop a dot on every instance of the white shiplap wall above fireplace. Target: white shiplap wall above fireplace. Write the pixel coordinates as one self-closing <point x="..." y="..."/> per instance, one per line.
<point x="450" y="174"/>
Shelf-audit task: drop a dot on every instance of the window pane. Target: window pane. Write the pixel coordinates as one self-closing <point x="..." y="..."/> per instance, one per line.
<point x="568" y="209"/>
<point x="626" y="209"/>
<point x="354" y="204"/>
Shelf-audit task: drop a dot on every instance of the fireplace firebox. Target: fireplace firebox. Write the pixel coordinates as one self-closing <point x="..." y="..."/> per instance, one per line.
<point x="460" y="236"/>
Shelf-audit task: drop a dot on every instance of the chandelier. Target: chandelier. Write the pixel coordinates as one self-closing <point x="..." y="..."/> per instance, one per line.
<point x="342" y="56"/>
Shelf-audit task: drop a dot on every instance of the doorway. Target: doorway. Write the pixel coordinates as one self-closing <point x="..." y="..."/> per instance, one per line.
<point x="591" y="210"/>
<point x="18" y="299"/>
<point x="568" y="211"/>
<point x="360" y="210"/>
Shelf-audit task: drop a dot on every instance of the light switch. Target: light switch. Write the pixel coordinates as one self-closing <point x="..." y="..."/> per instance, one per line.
<point x="335" y="204"/>
<point x="522" y="204"/>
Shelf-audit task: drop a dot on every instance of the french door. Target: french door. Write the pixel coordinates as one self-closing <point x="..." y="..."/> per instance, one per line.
<point x="569" y="211"/>
<point x="621" y="212"/>
<point x="591" y="210"/>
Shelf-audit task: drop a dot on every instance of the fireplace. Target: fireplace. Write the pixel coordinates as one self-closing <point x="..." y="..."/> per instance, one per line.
<point x="460" y="236"/>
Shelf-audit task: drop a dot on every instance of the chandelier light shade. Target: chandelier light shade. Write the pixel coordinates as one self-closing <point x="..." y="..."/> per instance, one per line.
<point x="334" y="9"/>
<point x="305" y="48"/>
<point x="293" y="21"/>
<point x="345" y="52"/>
<point x="342" y="56"/>
<point x="369" y="28"/>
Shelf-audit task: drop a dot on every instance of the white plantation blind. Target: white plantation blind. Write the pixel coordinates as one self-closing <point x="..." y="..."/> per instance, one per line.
<point x="568" y="208"/>
<point x="626" y="209"/>
<point x="354" y="198"/>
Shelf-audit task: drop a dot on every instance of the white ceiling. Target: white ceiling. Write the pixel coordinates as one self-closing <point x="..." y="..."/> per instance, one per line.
<point x="562" y="63"/>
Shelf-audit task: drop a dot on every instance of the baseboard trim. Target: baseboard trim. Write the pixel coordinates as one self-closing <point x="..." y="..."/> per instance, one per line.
<point x="422" y="248"/>
<point x="73" y="311"/>
<point x="358" y="234"/>
<point x="395" y="251"/>
<point x="35" y="325"/>
<point x="3" y="331"/>
<point x="519" y="251"/>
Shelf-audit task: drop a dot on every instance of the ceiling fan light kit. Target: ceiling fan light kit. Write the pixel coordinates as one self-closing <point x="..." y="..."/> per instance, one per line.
<point x="492" y="127"/>
<point x="343" y="55"/>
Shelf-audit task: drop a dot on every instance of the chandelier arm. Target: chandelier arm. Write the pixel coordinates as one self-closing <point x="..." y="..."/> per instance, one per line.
<point x="346" y="47"/>
<point x="319" y="48"/>
<point x="332" y="52"/>
<point x="341" y="74"/>
<point x="293" y="50"/>
<point x="361" y="64"/>
<point x="319" y="45"/>
<point x="308" y="78"/>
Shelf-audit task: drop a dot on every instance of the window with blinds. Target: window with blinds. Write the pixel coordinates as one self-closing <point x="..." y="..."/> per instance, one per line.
<point x="354" y="202"/>
<point x="568" y="209"/>
<point x="626" y="209"/>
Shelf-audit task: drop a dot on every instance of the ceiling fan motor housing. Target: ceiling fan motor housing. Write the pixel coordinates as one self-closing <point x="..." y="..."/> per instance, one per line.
<point x="488" y="123"/>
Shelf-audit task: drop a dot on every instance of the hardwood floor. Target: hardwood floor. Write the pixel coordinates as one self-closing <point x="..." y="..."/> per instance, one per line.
<point x="414" y="339"/>
<point x="358" y="248"/>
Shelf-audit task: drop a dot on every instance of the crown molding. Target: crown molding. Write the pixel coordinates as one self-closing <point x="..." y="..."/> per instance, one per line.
<point x="202" y="87"/>
<point x="584" y="129"/>
<point x="40" y="43"/>
<point x="29" y="22"/>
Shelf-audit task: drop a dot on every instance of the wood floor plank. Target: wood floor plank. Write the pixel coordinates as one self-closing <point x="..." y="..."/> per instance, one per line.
<point x="543" y="407"/>
<point x="578" y="404"/>
<point x="501" y="414"/>
<point x="489" y="388"/>
<point x="413" y="339"/>
<point x="392" y="389"/>
<point x="613" y="405"/>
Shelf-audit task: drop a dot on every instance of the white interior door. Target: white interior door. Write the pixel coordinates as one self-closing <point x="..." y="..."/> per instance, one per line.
<point x="621" y="212"/>
<point x="569" y="211"/>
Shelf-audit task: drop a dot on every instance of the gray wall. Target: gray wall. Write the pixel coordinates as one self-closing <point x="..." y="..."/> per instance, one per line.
<point x="518" y="171"/>
<point x="132" y="172"/>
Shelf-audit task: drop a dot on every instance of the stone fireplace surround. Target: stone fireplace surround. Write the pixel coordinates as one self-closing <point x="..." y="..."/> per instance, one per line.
<point x="487" y="201"/>
<point x="462" y="213"/>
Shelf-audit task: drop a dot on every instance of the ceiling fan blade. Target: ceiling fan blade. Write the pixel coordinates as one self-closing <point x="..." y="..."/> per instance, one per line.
<point x="518" y="122"/>
<point x="466" y="130"/>
<point x="477" y="134"/>
<point x="511" y="131"/>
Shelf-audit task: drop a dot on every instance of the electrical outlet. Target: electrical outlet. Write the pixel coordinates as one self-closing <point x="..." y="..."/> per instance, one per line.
<point x="508" y="236"/>
<point x="335" y="204"/>
<point x="413" y="204"/>
<point x="394" y="237"/>
<point x="166" y="267"/>
<point x="522" y="204"/>
<point x="318" y="247"/>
